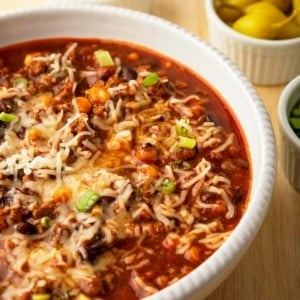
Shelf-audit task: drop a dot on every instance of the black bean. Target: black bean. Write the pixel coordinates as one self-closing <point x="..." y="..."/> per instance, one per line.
<point x="3" y="127"/>
<point x="20" y="173"/>
<point x="21" y="132"/>
<point x="94" y="247"/>
<point x="210" y="118"/>
<point x="128" y="73"/>
<point x="5" y="197"/>
<point x="5" y="107"/>
<point x="26" y="228"/>
<point x="106" y="199"/>
<point x="238" y="195"/>
<point x="71" y="158"/>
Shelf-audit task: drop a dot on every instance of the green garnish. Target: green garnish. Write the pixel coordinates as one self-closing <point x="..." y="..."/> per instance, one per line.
<point x="6" y="117"/>
<point x="45" y="222"/>
<point x="295" y="112"/>
<point x="167" y="186"/>
<point x="186" y="142"/>
<point x="104" y="58"/>
<point x="41" y="297"/>
<point x="182" y="127"/>
<point x="20" y="82"/>
<point x="150" y="79"/>
<point x="295" y="122"/>
<point x="87" y="201"/>
<point x="294" y="118"/>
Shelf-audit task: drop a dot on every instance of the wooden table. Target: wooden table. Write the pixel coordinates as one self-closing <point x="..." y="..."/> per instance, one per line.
<point x="270" y="270"/>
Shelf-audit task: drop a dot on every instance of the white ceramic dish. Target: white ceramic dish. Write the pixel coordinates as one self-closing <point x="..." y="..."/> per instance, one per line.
<point x="141" y="5"/>
<point x="290" y="143"/>
<point x="222" y="75"/>
<point x="264" y="62"/>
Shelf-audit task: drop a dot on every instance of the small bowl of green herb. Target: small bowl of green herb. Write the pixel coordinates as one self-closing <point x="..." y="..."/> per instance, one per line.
<point x="289" y="125"/>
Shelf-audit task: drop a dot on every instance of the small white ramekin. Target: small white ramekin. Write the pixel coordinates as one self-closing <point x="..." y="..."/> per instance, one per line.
<point x="264" y="62"/>
<point x="290" y="143"/>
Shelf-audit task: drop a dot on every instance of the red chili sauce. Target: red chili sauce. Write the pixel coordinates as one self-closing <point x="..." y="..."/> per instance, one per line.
<point x="157" y="152"/>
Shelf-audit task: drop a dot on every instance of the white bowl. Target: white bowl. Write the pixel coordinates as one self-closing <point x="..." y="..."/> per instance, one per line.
<point x="264" y="62"/>
<point x="290" y="143"/>
<point x="144" y="5"/>
<point x="216" y="69"/>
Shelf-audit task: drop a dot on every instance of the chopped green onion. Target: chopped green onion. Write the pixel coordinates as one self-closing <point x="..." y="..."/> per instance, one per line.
<point x="150" y="79"/>
<point x="5" y="117"/>
<point x="41" y="297"/>
<point x="103" y="58"/>
<point x="87" y="201"/>
<point x="20" y="82"/>
<point x="295" y="123"/>
<point x="45" y="222"/>
<point x="185" y="142"/>
<point x="295" y="112"/>
<point x="294" y="118"/>
<point x="167" y="186"/>
<point x="182" y="127"/>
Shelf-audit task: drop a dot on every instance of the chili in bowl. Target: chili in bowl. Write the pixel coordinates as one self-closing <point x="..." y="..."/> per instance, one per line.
<point x="126" y="171"/>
